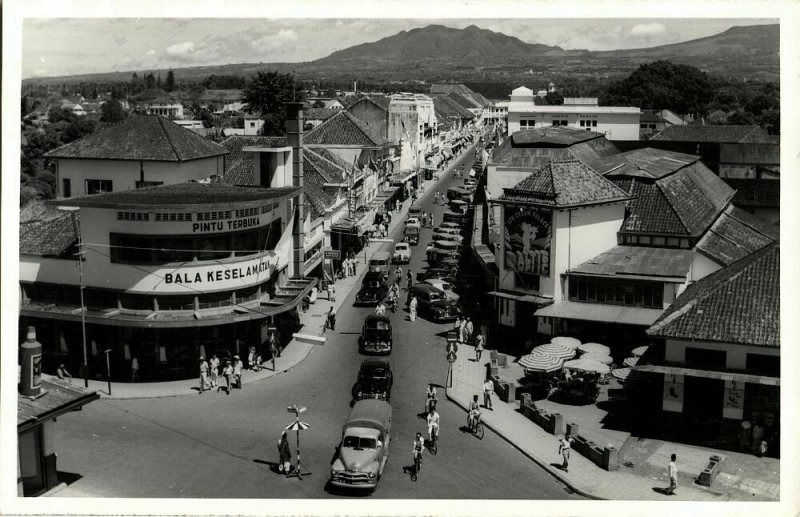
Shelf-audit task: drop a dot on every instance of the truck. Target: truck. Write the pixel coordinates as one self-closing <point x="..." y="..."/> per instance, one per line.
<point x="364" y="449"/>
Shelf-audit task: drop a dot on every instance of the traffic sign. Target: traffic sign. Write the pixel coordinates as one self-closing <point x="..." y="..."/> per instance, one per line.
<point x="451" y="357"/>
<point x="452" y="348"/>
<point x="452" y="336"/>
<point x="332" y="254"/>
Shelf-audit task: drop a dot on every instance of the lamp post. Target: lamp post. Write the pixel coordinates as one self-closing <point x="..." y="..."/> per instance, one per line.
<point x="85" y="368"/>
<point x="108" y="368"/>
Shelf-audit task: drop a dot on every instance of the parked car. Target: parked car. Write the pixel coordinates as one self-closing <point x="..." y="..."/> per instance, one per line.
<point x="459" y="193"/>
<point x="411" y="235"/>
<point x="414" y="211"/>
<point x="364" y="449"/>
<point x="402" y="253"/>
<point x="447" y="237"/>
<point x="380" y="262"/>
<point x="452" y="217"/>
<point x="436" y="272"/>
<point x="444" y="286"/>
<point x="459" y="206"/>
<point x="413" y="221"/>
<point x="432" y="303"/>
<point x="470" y="182"/>
<point x="448" y="225"/>
<point x="373" y="289"/>
<point x="374" y="380"/>
<point x="376" y="335"/>
<point x="436" y="256"/>
<point x="447" y="245"/>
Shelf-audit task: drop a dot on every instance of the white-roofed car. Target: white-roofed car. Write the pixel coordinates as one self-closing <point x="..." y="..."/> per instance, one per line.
<point x="444" y="286"/>
<point x="413" y="221"/>
<point x="402" y="253"/>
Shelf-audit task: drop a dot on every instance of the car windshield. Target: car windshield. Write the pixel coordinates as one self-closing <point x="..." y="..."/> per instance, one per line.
<point x="435" y="297"/>
<point x="373" y="284"/>
<point x="358" y="442"/>
<point x="399" y="247"/>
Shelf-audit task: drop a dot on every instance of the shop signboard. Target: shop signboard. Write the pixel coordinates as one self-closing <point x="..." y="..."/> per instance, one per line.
<point x="527" y="237"/>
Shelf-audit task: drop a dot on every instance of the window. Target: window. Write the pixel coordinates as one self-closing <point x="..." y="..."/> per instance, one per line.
<point x="98" y="186"/>
<point x="523" y="123"/>
<point x="614" y="292"/>
<point x="67" y="189"/>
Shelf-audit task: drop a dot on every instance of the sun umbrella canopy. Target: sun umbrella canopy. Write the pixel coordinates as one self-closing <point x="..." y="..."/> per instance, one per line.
<point x="594" y="348"/>
<point x="537" y="361"/>
<point x="569" y="342"/>
<point x="627" y="375"/>
<point x="639" y="351"/>
<point x="630" y="361"/>
<point x="587" y="365"/>
<point x="557" y="350"/>
<point x="297" y="425"/>
<point x="600" y="358"/>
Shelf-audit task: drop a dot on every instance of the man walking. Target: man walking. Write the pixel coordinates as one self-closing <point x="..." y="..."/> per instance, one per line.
<point x="331" y="319"/>
<point x="203" y="375"/>
<point x="564" y="446"/>
<point x="488" y="388"/>
<point x="672" y="471"/>
<point x="409" y="278"/>
<point x="237" y="371"/>
<point x="134" y="369"/>
<point x="331" y="292"/>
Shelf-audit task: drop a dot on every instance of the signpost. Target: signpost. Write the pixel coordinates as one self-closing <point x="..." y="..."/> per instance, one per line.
<point x="333" y="254"/>
<point x="297" y="426"/>
<point x="452" y="348"/>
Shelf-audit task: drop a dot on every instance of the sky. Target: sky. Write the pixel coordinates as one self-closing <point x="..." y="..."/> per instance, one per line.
<point x="70" y="46"/>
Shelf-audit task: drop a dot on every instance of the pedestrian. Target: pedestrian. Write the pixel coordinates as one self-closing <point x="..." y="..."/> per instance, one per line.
<point x="762" y="449"/>
<point x="331" y="292"/>
<point x="237" y="371"/>
<point x="382" y="231"/>
<point x="251" y="356"/>
<point x="284" y="454"/>
<point x="227" y="373"/>
<point x="564" y="446"/>
<point x="457" y="327"/>
<point x="672" y="471"/>
<point x="488" y="389"/>
<point x="758" y="435"/>
<point x="478" y="347"/>
<point x="62" y="373"/>
<point x="331" y="319"/>
<point x="412" y="309"/>
<point x="134" y="369"/>
<point x="213" y="368"/>
<point x="388" y="217"/>
<point x="469" y="329"/>
<point x="463" y="330"/>
<point x="409" y="278"/>
<point x="397" y="205"/>
<point x="203" y="375"/>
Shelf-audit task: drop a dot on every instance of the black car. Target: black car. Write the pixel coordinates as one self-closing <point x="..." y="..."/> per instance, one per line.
<point x="373" y="289"/>
<point x="432" y="303"/>
<point x="374" y="380"/>
<point x="376" y="335"/>
<point x="438" y="273"/>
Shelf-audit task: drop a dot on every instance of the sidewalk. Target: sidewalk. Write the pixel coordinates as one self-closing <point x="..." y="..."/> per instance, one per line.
<point x="294" y="352"/>
<point x="752" y="478"/>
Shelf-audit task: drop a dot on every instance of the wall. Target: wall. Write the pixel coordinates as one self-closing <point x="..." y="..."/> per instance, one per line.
<point x="702" y="266"/>
<point x="615" y="126"/>
<point x="280" y="162"/>
<point x="736" y="354"/>
<point x="373" y="116"/>
<point x="124" y="173"/>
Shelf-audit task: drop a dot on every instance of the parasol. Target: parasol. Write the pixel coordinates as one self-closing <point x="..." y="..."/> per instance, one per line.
<point x="630" y="361"/>
<point x="570" y="342"/>
<point x="600" y="358"/>
<point x="557" y="350"/>
<point x="587" y="365"/>
<point x="639" y="350"/>
<point x="541" y="362"/>
<point x="594" y="348"/>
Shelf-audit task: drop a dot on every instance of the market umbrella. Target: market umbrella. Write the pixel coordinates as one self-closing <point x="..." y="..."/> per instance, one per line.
<point x="630" y="361"/>
<point x="557" y="350"/>
<point x="570" y="342"/>
<point x="537" y="361"/>
<point x="297" y="425"/>
<point x="627" y="375"/>
<point x="594" y="348"/>
<point x="587" y="365"/>
<point x="639" y="350"/>
<point x="600" y="358"/>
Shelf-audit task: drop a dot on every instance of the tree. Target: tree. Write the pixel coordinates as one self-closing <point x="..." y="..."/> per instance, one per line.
<point x="170" y="84"/>
<point x="149" y="81"/>
<point x="267" y="92"/>
<point x="111" y="111"/>
<point x="554" y="99"/>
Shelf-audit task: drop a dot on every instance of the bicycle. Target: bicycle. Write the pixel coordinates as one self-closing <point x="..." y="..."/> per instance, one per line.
<point x="476" y="429"/>
<point x="417" y="465"/>
<point x="433" y="443"/>
<point x="430" y="404"/>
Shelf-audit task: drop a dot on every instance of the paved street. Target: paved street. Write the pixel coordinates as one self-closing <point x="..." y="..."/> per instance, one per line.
<point x="214" y="445"/>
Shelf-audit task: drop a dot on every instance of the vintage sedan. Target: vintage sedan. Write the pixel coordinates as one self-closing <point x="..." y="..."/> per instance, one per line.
<point x="373" y="289"/>
<point x="402" y="253"/>
<point x="376" y="335"/>
<point x="374" y="380"/>
<point x="432" y="303"/>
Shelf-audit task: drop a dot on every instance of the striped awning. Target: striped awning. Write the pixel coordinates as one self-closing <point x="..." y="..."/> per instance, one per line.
<point x="537" y="361"/>
<point x="560" y="351"/>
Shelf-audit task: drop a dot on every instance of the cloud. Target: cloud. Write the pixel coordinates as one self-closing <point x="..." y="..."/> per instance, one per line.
<point x="42" y="59"/>
<point x="151" y="52"/>
<point x="182" y="51"/>
<point x="647" y="30"/>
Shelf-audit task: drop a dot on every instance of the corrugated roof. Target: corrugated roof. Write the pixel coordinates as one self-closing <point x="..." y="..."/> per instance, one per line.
<point x="605" y="313"/>
<point x="756" y="192"/>
<point x="49" y="234"/>
<point x="737" y="304"/>
<point x="466" y="101"/>
<point x="319" y="113"/>
<point x="637" y="260"/>
<point x="446" y="109"/>
<point x="564" y="184"/>
<point x="534" y="148"/>
<point x="648" y="163"/>
<point x="735" y="235"/>
<point x="750" y="154"/>
<point x="239" y="164"/>
<point x="713" y="134"/>
<point x="344" y="129"/>
<point x="141" y="137"/>
<point x="58" y="398"/>
<point x="179" y="194"/>
<point x="552" y="136"/>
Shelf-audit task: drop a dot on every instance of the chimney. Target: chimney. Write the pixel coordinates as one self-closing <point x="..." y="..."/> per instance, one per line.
<point x="30" y="361"/>
<point x="294" y="137"/>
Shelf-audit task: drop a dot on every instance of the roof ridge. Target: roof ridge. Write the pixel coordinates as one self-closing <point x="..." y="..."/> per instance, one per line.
<point x="166" y="134"/>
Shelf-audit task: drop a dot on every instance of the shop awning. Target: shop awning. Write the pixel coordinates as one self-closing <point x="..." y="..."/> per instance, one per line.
<point x="521" y="297"/>
<point x="403" y="176"/>
<point x="709" y="374"/>
<point x="601" y="312"/>
<point x="344" y="225"/>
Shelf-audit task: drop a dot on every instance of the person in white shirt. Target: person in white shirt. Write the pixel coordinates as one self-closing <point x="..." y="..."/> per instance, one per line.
<point x="564" y="446"/>
<point x="672" y="471"/>
<point x="433" y="424"/>
<point x="488" y="388"/>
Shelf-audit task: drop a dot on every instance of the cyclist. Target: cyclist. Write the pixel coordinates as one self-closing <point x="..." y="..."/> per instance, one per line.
<point x="474" y="413"/>
<point x="433" y="425"/>
<point x="380" y="309"/>
<point x="430" y="397"/>
<point x="419" y="446"/>
<point x="392" y="300"/>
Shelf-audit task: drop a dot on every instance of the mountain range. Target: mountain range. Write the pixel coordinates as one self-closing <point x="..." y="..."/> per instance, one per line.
<point x="437" y="52"/>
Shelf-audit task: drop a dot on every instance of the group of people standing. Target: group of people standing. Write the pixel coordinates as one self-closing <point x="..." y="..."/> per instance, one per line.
<point x="223" y="376"/>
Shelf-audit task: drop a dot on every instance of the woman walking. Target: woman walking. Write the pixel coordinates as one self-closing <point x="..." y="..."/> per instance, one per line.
<point x="412" y="309"/>
<point x="284" y="454"/>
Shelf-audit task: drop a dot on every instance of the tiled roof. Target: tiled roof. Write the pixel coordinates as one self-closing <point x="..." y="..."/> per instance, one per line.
<point x="141" y="137"/>
<point x="737" y="304"/>
<point x="239" y="164"/>
<point x="756" y="192"/>
<point x="564" y="184"/>
<point x="328" y="165"/>
<point x="344" y="129"/>
<point x="447" y="109"/>
<point x="536" y="147"/>
<point x="381" y="101"/>
<point x="231" y="95"/>
<point x="463" y="100"/>
<point x="715" y="134"/>
<point x="750" y="154"/>
<point x="445" y="88"/>
<point x="49" y="233"/>
<point x="735" y="235"/>
<point x="684" y="203"/>
<point x="179" y="194"/>
<point x="638" y="260"/>
<point x="317" y="172"/>
<point x="319" y="113"/>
